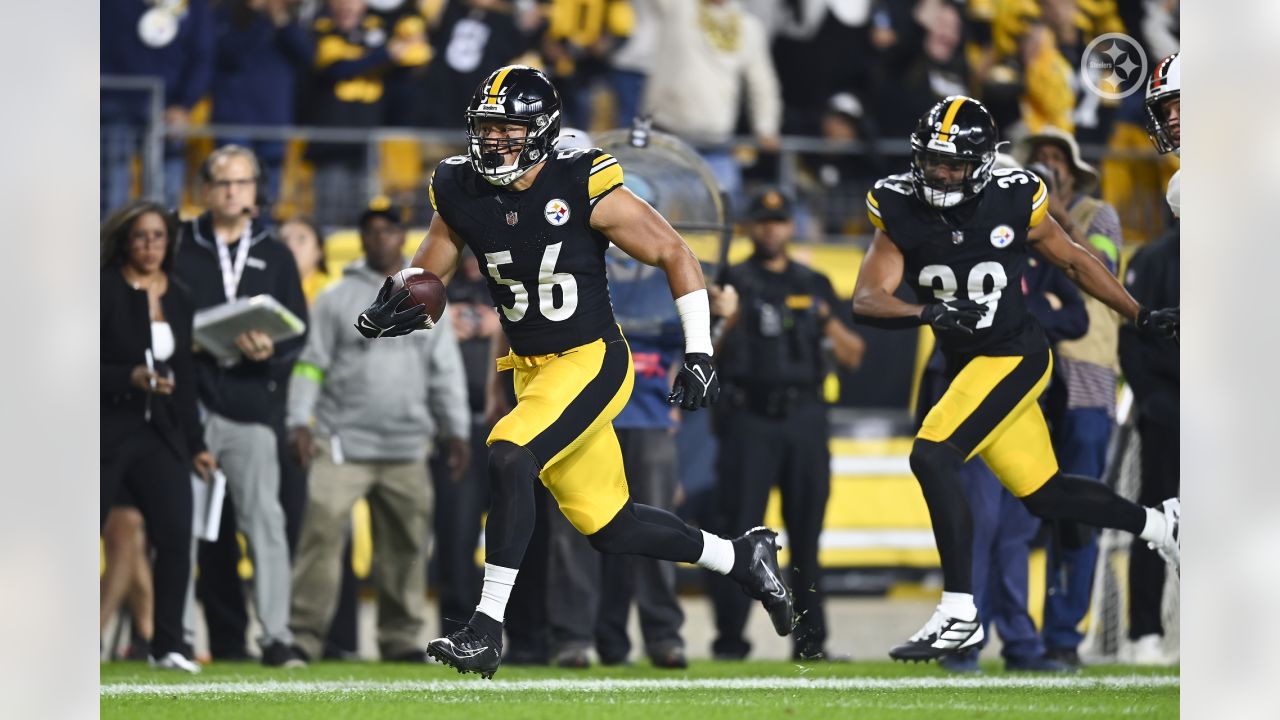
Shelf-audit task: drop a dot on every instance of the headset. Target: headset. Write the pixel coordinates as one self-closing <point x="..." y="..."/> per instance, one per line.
<point x="260" y="199"/>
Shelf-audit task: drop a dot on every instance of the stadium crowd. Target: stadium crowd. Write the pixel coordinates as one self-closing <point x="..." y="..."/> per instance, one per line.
<point x="796" y="107"/>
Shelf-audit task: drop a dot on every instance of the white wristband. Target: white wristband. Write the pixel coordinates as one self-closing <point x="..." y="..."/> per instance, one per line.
<point x="695" y="318"/>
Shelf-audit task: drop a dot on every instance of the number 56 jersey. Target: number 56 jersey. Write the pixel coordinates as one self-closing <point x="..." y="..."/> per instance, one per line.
<point x="977" y="251"/>
<point x="543" y="262"/>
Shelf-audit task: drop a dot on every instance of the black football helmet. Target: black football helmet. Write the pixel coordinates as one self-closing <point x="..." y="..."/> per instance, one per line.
<point x="956" y="131"/>
<point x="1164" y="86"/>
<point x="515" y="94"/>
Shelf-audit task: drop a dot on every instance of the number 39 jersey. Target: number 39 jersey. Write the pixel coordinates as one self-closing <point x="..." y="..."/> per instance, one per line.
<point x="976" y="251"/>
<point x="543" y="261"/>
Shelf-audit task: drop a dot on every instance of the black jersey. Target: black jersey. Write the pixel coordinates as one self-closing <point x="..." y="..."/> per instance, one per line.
<point x="976" y="251"/>
<point x="544" y="263"/>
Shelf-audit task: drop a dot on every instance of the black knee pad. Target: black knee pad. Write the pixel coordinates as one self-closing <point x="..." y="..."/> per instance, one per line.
<point x="616" y="534"/>
<point x="1047" y="502"/>
<point x="511" y="463"/>
<point x="932" y="461"/>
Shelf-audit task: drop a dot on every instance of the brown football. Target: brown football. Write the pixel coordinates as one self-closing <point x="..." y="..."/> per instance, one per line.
<point x="424" y="288"/>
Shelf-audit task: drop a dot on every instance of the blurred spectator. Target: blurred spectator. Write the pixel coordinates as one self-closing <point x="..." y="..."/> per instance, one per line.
<point x="824" y="51"/>
<point x="709" y="53"/>
<point x="375" y="408"/>
<point x="260" y="49"/>
<point x="151" y="433"/>
<point x="1152" y="369"/>
<point x="172" y="42"/>
<point x="474" y="37"/>
<point x="405" y="104"/>
<point x="632" y="61"/>
<point x="126" y="579"/>
<point x="772" y="419"/>
<point x="920" y="60"/>
<point x="354" y="52"/>
<point x="840" y="181"/>
<point x="227" y="253"/>
<point x="1083" y="417"/>
<point x="307" y="245"/>
<point x="460" y="505"/>
<point x="579" y="38"/>
<point x="589" y="594"/>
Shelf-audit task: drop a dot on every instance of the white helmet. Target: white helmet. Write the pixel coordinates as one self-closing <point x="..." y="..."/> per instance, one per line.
<point x="1165" y="85"/>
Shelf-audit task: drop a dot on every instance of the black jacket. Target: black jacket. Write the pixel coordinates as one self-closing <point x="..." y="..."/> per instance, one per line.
<point x="125" y="336"/>
<point x="1151" y="364"/>
<point x="251" y="392"/>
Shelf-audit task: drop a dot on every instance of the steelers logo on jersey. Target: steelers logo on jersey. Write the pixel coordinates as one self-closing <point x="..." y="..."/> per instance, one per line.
<point x="556" y="212"/>
<point x="1001" y="236"/>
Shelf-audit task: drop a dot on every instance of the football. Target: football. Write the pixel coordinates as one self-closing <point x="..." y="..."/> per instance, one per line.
<point x="424" y="288"/>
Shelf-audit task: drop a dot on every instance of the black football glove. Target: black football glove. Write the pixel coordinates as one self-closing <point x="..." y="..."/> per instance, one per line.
<point x="954" y="315"/>
<point x="696" y="385"/>
<point x="1162" y="323"/>
<point x="384" y="318"/>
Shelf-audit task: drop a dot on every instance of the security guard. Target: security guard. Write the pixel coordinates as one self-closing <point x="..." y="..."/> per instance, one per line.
<point x="774" y="428"/>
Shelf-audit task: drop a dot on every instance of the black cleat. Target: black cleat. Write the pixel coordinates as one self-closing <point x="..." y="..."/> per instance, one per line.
<point x="468" y="650"/>
<point x="942" y="635"/>
<point x="764" y="579"/>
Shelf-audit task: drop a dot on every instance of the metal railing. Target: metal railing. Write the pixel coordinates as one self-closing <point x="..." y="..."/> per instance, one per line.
<point x="794" y="153"/>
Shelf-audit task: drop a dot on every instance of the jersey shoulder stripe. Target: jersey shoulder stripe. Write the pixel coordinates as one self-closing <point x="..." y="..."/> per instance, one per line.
<point x="873" y="211"/>
<point x="1039" y="203"/>
<point x="445" y="172"/>
<point x="605" y="176"/>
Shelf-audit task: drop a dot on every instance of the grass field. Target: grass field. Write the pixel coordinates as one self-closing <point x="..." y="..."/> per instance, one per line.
<point x="707" y="691"/>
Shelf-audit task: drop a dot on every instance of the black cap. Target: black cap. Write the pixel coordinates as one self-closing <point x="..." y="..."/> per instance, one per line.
<point x="381" y="206"/>
<point x="772" y="204"/>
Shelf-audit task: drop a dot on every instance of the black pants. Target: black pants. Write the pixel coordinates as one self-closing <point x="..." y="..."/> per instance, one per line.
<point x="159" y="483"/>
<point x="221" y="591"/>
<point x="459" y="506"/>
<point x="589" y="594"/>
<point x="758" y="453"/>
<point x="526" y="623"/>
<point x="1160" y="481"/>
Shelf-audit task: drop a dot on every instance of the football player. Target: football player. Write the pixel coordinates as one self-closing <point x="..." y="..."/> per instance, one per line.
<point x="959" y="233"/>
<point x="1164" y="119"/>
<point x="540" y="220"/>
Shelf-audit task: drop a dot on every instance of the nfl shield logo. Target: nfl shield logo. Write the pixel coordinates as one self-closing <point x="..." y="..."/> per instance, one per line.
<point x="513" y="218"/>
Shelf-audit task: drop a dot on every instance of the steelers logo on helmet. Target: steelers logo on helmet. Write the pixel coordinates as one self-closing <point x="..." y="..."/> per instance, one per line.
<point x="953" y="150"/>
<point x="513" y="121"/>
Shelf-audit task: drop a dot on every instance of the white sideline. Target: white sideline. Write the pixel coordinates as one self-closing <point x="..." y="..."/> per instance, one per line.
<point x="307" y="687"/>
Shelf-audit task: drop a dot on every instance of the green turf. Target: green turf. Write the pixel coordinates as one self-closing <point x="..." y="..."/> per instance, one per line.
<point x="366" y="690"/>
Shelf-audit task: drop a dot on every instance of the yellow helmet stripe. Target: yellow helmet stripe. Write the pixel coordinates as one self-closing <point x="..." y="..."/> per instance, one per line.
<point x="496" y="87"/>
<point x="944" y="134"/>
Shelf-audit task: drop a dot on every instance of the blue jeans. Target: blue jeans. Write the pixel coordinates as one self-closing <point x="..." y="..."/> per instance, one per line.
<point x="1002" y="532"/>
<point x="1082" y="440"/>
<point x="122" y="138"/>
<point x="628" y="89"/>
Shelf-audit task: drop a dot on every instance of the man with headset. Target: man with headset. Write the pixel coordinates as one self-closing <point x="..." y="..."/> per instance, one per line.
<point x="224" y="254"/>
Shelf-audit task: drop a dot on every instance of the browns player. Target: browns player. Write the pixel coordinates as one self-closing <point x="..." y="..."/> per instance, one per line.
<point x="959" y="233"/>
<point x="539" y="219"/>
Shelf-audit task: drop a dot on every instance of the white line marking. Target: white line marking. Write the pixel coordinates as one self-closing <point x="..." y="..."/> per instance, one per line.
<point x="343" y="687"/>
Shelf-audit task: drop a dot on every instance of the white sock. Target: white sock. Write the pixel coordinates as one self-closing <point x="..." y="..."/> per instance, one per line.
<point x="1156" y="527"/>
<point x="958" y="605"/>
<point x="717" y="554"/>
<point x="498" y="582"/>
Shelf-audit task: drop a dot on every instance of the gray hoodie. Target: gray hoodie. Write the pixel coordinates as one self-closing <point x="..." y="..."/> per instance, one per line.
<point x="382" y="399"/>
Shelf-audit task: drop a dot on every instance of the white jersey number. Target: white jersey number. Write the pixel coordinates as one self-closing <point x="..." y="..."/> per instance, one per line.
<point x="943" y="281"/>
<point x="548" y="281"/>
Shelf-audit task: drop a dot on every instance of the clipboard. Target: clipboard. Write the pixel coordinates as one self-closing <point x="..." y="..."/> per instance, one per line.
<point x="216" y="328"/>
